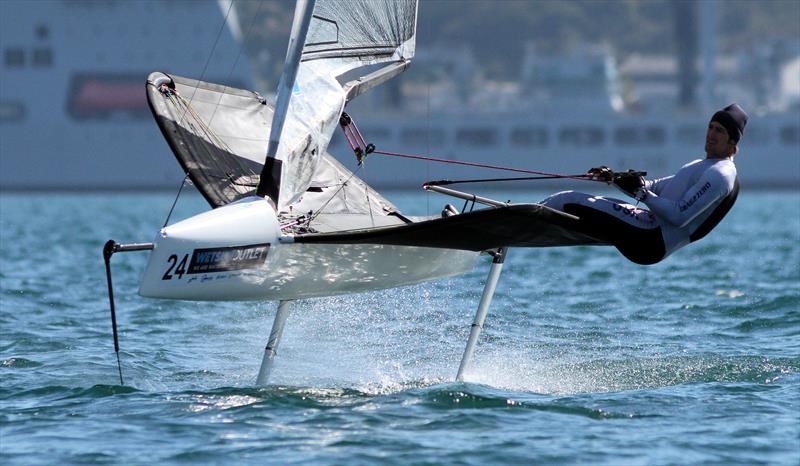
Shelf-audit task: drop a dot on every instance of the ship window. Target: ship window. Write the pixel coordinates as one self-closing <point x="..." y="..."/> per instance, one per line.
<point x="655" y="135"/>
<point x="757" y="135"/>
<point x="14" y="57"/>
<point x="43" y="57"/>
<point x="633" y="135"/>
<point x="524" y="137"/>
<point x="98" y="97"/>
<point x="790" y="135"/>
<point x="42" y="32"/>
<point x="691" y="134"/>
<point x="476" y="137"/>
<point x="11" y="111"/>
<point x="423" y="137"/>
<point x="581" y="135"/>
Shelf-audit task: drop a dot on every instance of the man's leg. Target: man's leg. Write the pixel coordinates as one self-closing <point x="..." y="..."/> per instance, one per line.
<point x="634" y="231"/>
<point x="616" y="208"/>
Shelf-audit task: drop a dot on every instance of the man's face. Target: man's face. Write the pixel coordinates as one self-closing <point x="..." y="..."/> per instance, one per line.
<point x="718" y="143"/>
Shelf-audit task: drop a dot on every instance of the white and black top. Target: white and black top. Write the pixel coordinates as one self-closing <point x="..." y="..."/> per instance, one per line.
<point x="683" y="208"/>
<point x="685" y="204"/>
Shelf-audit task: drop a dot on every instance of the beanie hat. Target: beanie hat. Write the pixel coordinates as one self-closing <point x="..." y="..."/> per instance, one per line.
<point x="733" y="119"/>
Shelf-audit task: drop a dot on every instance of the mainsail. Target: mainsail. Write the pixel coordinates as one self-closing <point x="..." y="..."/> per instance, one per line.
<point x="338" y="36"/>
<point x="220" y="135"/>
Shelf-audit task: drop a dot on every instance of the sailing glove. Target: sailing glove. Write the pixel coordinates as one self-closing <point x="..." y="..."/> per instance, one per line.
<point x="629" y="182"/>
<point x="601" y="173"/>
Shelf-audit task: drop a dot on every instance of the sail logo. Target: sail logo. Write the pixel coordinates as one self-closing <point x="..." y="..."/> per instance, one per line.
<point x="696" y="196"/>
<point x="228" y="258"/>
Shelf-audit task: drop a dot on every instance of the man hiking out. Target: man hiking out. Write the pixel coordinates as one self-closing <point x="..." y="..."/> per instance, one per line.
<point x="682" y="208"/>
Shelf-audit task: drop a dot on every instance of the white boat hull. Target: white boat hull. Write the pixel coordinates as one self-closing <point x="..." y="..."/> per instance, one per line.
<point x="236" y="252"/>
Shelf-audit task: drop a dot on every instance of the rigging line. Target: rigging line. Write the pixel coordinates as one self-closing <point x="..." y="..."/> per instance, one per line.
<point x="198" y="127"/>
<point x="211" y="54"/>
<point x="369" y="204"/>
<point x="214" y="138"/>
<point x="473" y="164"/>
<point x="467" y="202"/>
<point x="356" y="147"/>
<point x="428" y="145"/>
<point x="205" y="128"/>
<point x="344" y="183"/>
<point x="489" y="180"/>
<point x="217" y="139"/>
<point x="183" y="183"/>
<point x="357" y="131"/>
<point x="353" y="144"/>
<point x="236" y="60"/>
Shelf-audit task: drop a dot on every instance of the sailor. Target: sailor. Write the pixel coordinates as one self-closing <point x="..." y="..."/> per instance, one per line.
<point x="682" y="208"/>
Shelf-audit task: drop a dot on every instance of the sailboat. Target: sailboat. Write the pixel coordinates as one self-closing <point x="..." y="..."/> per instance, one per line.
<point x="287" y="220"/>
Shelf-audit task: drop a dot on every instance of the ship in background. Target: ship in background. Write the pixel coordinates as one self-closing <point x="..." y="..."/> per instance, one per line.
<point x="582" y="109"/>
<point x="572" y="112"/>
<point x="73" y="113"/>
<point x="73" y="109"/>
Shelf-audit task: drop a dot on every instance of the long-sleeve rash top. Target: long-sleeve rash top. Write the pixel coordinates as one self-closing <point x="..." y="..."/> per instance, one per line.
<point x="682" y="202"/>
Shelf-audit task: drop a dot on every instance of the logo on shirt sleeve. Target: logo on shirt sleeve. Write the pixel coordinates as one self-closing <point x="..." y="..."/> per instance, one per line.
<point x="696" y="196"/>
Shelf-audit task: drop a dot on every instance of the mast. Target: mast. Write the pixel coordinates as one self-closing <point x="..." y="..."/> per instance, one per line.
<point x="270" y="182"/>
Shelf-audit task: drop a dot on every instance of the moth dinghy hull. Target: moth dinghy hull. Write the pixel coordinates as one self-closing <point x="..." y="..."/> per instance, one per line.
<point x="237" y="253"/>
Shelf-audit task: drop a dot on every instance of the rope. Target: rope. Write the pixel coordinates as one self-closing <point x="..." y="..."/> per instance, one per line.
<point x="238" y="55"/>
<point x="196" y="123"/>
<point x="183" y="183"/>
<point x="213" y="47"/>
<point x="344" y="183"/>
<point x="191" y="119"/>
<point x="355" y="139"/>
<point x="369" y="204"/>
<point x="491" y="180"/>
<point x="198" y="127"/>
<point x="480" y="165"/>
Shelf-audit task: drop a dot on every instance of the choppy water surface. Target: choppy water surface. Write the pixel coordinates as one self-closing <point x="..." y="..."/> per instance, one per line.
<point x="585" y="357"/>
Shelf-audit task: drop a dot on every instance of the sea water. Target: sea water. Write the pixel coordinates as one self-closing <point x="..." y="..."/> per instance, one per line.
<point x="585" y="357"/>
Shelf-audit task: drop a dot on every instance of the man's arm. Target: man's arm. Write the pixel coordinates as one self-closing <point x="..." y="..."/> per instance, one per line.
<point x="606" y="174"/>
<point x="711" y="187"/>
<point x="657" y="185"/>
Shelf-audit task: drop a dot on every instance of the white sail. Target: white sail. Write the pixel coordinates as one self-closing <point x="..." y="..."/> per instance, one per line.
<point x="343" y="35"/>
